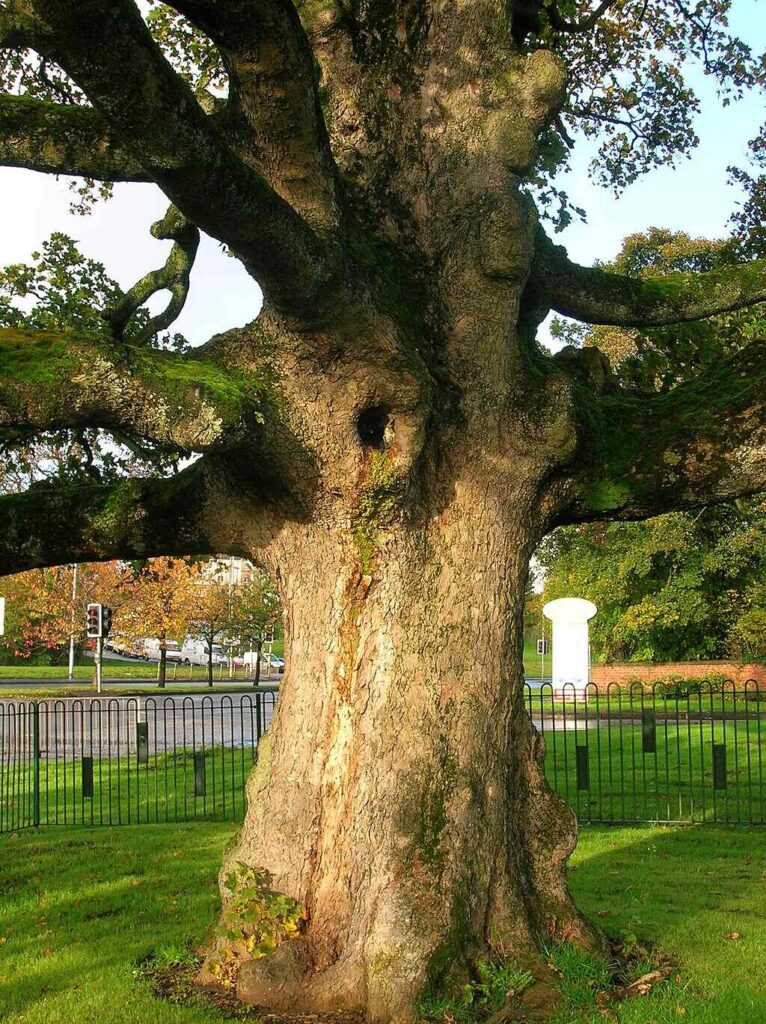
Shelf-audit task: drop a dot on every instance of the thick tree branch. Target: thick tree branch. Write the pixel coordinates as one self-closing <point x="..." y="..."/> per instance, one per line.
<point x="702" y="442"/>
<point x="597" y="296"/>
<point x="173" y="277"/>
<point x="273" y="87"/>
<point x="584" y="25"/>
<point x="53" y="524"/>
<point x="52" y="380"/>
<point x="58" y="138"/>
<point x="13" y="30"/>
<point x="122" y="71"/>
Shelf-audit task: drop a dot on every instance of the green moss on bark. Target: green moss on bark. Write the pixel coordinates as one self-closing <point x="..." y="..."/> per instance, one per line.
<point x="377" y="505"/>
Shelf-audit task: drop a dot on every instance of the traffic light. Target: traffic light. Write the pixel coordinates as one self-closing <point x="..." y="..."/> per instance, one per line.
<point x="98" y="620"/>
<point x="93" y="621"/>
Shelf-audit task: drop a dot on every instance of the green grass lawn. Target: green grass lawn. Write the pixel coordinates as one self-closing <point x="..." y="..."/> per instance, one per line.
<point x="80" y="906"/>
<point x="532" y="659"/>
<point x="168" y="787"/>
<point x="676" y="781"/>
<point x="114" y="669"/>
<point x="689" y="890"/>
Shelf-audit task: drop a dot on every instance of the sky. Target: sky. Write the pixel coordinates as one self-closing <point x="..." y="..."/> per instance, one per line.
<point x="692" y="197"/>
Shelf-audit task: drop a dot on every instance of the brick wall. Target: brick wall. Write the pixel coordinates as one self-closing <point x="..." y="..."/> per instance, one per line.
<point x="602" y="675"/>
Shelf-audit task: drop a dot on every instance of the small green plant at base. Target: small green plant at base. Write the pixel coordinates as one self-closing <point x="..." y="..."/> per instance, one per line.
<point x="495" y="982"/>
<point x="255" y="921"/>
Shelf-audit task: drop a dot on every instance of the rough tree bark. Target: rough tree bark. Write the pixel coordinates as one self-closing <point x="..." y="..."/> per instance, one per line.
<point x="386" y="439"/>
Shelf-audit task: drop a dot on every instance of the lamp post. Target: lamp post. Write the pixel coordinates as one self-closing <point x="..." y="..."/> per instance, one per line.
<point x="70" y="673"/>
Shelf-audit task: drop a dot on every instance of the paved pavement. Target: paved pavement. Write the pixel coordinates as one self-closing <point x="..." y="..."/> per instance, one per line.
<point x="109" y="726"/>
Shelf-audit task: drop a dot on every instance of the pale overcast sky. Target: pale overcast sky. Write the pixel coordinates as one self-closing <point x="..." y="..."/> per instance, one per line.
<point x="692" y="197"/>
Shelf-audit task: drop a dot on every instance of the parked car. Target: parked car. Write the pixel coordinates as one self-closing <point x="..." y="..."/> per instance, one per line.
<point x="195" y="652"/>
<point x="125" y="646"/>
<point x="269" y="663"/>
<point x="151" y="650"/>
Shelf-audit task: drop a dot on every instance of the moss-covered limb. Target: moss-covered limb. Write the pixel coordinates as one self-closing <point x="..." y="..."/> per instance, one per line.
<point x="54" y="524"/>
<point x="59" y="139"/>
<point x="50" y="380"/>
<point x="274" y="94"/>
<point x="13" y="29"/>
<point x="597" y="296"/>
<point x="121" y="69"/>
<point x="702" y="442"/>
<point x="173" y="277"/>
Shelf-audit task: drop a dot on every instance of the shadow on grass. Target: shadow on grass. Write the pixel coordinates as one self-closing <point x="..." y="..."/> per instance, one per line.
<point x="696" y="891"/>
<point x="79" y="906"/>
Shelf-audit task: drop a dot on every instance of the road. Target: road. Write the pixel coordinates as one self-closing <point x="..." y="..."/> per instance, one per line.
<point x="108" y="727"/>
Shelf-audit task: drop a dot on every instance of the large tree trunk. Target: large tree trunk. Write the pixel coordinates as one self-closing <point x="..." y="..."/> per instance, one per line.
<point x="399" y="796"/>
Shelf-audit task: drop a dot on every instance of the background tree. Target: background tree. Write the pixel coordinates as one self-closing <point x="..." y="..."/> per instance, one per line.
<point x="678" y="587"/>
<point x="210" y="614"/>
<point x="256" y="613"/>
<point x="160" y="598"/>
<point x="687" y="584"/>
<point x="39" y="612"/>
<point x="386" y="439"/>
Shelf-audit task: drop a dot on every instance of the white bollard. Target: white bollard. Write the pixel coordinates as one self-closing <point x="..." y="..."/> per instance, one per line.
<point x="571" y="650"/>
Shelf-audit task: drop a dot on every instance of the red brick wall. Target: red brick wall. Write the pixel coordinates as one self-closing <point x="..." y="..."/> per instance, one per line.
<point x="602" y="675"/>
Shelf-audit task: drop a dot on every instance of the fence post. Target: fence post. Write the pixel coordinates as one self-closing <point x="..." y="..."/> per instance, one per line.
<point x="36" y="764"/>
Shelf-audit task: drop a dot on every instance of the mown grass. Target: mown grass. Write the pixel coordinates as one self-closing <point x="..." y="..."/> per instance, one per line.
<point x="113" y="669"/>
<point x="676" y="781"/>
<point x="171" y="786"/>
<point x="50" y="693"/>
<point x="697" y="892"/>
<point x="80" y="907"/>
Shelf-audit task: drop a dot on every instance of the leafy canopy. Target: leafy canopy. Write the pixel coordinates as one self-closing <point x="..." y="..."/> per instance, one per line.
<point x="683" y="585"/>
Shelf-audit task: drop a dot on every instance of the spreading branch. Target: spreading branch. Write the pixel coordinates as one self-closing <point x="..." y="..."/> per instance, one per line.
<point x="272" y="86"/>
<point x="52" y="524"/>
<point x="55" y="380"/>
<point x="597" y="296"/>
<point x="172" y="277"/>
<point x="172" y="138"/>
<point x="14" y="32"/>
<point x="702" y="442"/>
<point x="561" y="24"/>
<point x="59" y="138"/>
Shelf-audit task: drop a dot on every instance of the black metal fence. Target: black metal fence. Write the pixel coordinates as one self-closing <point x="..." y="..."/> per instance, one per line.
<point x="680" y="753"/>
<point x="128" y="761"/>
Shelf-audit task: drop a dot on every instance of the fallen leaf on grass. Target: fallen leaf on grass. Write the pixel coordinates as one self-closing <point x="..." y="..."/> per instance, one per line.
<point x="735" y="936"/>
<point x="642" y="986"/>
<point x="603" y="913"/>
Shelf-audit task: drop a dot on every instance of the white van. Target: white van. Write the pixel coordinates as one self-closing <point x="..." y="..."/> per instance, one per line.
<point x="195" y="652"/>
<point x="151" y="650"/>
<point x="270" y="663"/>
